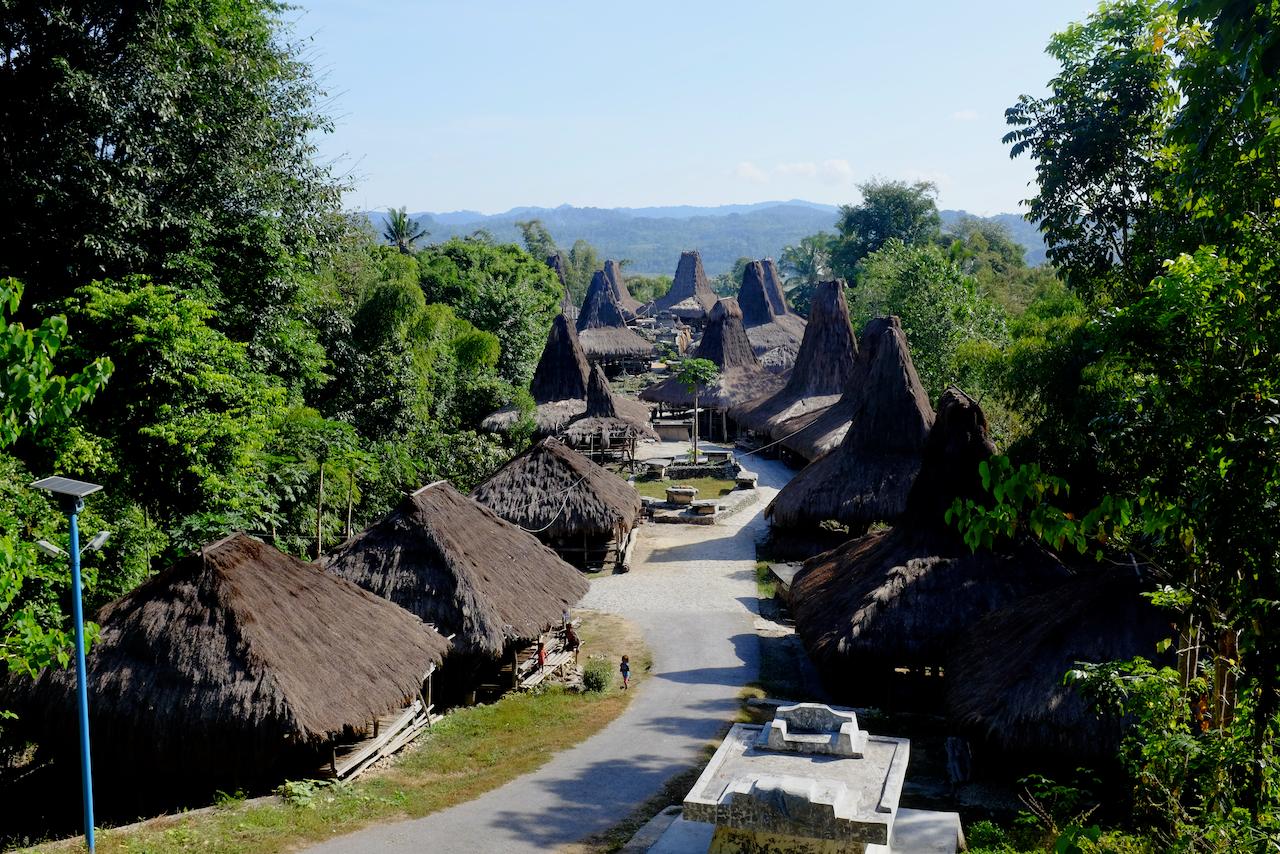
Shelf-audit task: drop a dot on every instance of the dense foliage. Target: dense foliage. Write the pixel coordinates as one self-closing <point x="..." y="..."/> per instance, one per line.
<point x="269" y="365"/>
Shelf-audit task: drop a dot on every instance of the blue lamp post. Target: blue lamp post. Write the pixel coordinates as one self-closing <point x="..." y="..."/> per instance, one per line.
<point x="71" y="495"/>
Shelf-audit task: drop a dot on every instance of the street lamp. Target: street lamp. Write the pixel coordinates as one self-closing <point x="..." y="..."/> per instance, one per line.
<point x="71" y="495"/>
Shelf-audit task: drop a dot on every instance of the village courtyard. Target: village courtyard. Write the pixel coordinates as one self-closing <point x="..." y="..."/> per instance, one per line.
<point x="692" y="592"/>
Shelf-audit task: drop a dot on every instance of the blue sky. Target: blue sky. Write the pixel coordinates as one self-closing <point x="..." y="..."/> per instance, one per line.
<point x="490" y="105"/>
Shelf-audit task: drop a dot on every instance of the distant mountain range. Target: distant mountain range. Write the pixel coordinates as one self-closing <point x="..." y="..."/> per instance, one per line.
<point x="652" y="238"/>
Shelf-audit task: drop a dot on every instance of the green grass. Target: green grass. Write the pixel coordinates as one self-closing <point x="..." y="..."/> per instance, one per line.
<point x="708" y="487"/>
<point x="766" y="583"/>
<point x="468" y="753"/>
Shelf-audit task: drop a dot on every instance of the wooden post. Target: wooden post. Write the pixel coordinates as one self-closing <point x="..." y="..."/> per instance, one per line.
<point x="320" y="513"/>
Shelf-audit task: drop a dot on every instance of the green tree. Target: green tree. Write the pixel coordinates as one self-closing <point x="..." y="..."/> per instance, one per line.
<point x="403" y="231"/>
<point x="175" y="140"/>
<point x="33" y="397"/>
<point x="538" y="242"/>
<point x="727" y="283"/>
<point x="694" y="375"/>
<point x="580" y="266"/>
<point x="889" y="210"/>
<point x="806" y="264"/>
<point x="1097" y="141"/>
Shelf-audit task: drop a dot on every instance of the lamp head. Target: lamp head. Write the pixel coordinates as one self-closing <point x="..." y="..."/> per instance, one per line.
<point x="50" y="549"/>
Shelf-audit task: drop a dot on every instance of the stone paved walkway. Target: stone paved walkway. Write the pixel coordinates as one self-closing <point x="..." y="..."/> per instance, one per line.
<point x="692" y="593"/>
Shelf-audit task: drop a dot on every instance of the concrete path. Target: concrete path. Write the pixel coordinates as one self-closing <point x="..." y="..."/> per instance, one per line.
<point x="692" y="592"/>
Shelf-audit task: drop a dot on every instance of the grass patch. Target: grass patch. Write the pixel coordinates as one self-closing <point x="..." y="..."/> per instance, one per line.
<point x="470" y="752"/>
<point x="766" y="582"/>
<point x="708" y="487"/>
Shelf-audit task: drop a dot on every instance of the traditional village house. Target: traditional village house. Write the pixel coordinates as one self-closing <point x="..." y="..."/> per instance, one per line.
<point x="584" y="512"/>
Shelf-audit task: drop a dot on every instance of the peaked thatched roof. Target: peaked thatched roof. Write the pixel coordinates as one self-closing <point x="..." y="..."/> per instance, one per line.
<point x="905" y="596"/>
<point x="767" y="329"/>
<point x="741" y="378"/>
<point x="559" y="384"/>
<point x="1005" y="676"/>
<point x="690" y="295"/>
<point x="609" y="417"/>
<point x="602" y="328"/>
<point x="567" y="306"/>
<point x="456" y="564"/>
<point x="559" y="493"/>
<point x="868" y="476"/>
<point x="813" y="434"/>
<point x="618" y="286"/>
<point x="773" y="287"/>
<point x="236" y="650"/>
<point x="823" y="367"/>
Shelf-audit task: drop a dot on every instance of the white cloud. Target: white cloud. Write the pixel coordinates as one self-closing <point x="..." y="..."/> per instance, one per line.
<point x="807" y="169"/>
<point x="837" y="171"/>
<point x="751" y="172"/>
<point x="964" y="115"/>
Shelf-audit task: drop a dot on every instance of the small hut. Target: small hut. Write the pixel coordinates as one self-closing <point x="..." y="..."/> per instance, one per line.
<point x="567" y="306"/>
<point x="823" y="368"/>
<point x="1006" y="686"/>
<point x="774" y="337"/>
<point x="456" y="564"/>
<point x="584" y="512"/>
<point x="629" y="305"/>
<point x="868" y="477"/>
<point x="559" y="386"/>
<point x="611" y="423"/>
<point x="603" y="331"/>
<point x="690" y="298"/>
<point x="741" y="378"/>
<point x="236" y="666"/>
<point x="888" y="607"/>
<point x="817" y="433"/>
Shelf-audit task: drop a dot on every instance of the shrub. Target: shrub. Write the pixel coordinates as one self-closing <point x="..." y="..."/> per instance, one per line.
<point x="597" y="676"/>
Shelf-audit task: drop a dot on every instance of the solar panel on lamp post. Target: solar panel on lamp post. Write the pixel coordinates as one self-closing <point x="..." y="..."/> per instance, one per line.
<point x="71" y="495"/>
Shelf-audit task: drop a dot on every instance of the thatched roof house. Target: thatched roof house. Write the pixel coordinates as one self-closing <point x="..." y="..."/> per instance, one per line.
<point x="824" y="366"/>
<point x="1005" y="676"/>
<point x="618" y="286"/>
<point x="868" y="477"/>
<point x="609" y="418"/>
<point x="560" y="494"/>
<point x="904" y="597"/>
<point x="567" y="306"/>
<point x="741" y="377"/>
<point x="690" y="297"/>
<point x="228" y="663"/>
<point x="456" y="564"/>
<point x="559" y="385"/>
<point x="602" y="327"/>
<point x="768" y="330"/>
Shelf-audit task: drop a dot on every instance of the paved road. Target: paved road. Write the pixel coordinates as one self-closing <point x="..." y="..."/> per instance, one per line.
<point x="692" y="592"/>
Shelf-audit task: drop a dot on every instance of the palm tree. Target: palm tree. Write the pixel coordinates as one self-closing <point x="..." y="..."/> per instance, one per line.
<point x="401" y="231"/>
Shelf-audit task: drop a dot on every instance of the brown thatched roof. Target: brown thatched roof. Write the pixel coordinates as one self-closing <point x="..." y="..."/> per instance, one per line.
<point x="456" y="564"/>
<point x="557" y="492"/>
<point x="1005" y="677"/>
<point x="823" y="367"/>
<point x="559" y="384"/>
<point x="773" y="287"/>
<point x="236" y="650"/>
<point x="903" y="597"/>
<point x="816" y="433"/>
<point x="562" y="368"/>
<point x="690" y="295"/>
<point x="567" y="306"/>
<point x="609" y="417"/>
<point x="766" y="329"/>
<point x="618" y="286"/>
<point x="741" y="379"/>
<point x="603" y="330"/>
<point x="868" y="476"/>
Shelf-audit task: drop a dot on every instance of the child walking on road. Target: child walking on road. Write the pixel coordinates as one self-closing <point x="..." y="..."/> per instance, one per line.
<point x="625" y="669"/>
